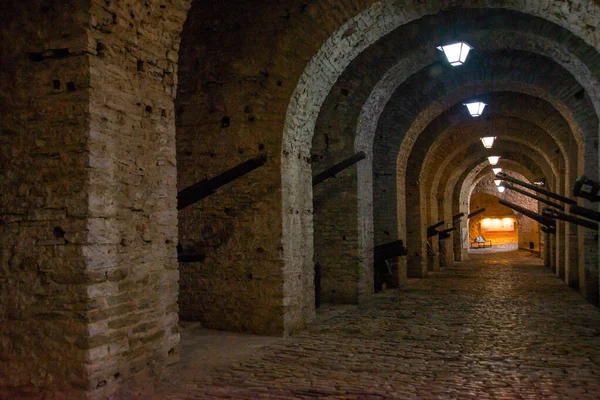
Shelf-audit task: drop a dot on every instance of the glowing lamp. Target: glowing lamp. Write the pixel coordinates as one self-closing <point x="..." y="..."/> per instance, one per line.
<point x="497" y="182"/>
<point x="488" y="141"/>
<point x="493" y="159"/>
<point x="496" y="170"/>
<point x="475" y="108"/>
<point x="501" y="189"/>
<point x="456" y="53"/>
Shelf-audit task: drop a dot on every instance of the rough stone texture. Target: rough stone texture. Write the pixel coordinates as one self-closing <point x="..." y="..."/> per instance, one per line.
<point x="485" y="195"/>
<point x="496" y="326"/>
<point x="89" y="227"/>
<point x="44" y="98"/>
<point x="89" y="249"/>
<point x="132" y="192"/>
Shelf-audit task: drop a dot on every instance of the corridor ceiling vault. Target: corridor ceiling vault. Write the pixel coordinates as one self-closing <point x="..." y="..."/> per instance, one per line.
<point x="110" y="108"/>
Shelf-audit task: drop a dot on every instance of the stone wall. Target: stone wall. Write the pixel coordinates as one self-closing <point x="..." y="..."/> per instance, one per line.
<point x="88" y="151"/>
<point x="131" y="246"/>
<point x="236" y="80"/>
<point x="89" y="231"/>
<point x="44" y="103"/>
<point x="485" y="195"/>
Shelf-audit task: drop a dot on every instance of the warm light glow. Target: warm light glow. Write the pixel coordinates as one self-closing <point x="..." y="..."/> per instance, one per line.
<point x="475" y="108"/>
<point x="456" y="53"/>
<point x="498" y="225"/>
<point x="501" y="189"/>
<point x="496" y="170"/>
<point x="493" y="159"/>
<point x="497" y="181"/>
<point x="488" y="141"/>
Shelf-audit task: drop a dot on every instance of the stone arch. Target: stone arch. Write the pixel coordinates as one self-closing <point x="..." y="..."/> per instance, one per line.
<point x="453" y="185"/>
<point x="310" y="93"/>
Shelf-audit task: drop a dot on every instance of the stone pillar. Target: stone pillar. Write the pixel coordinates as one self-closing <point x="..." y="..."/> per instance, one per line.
<point x="572" y="254"/>
<point x="45" y="275"/>
<point x="336" y="237"/>
<point x="560" y="248"/>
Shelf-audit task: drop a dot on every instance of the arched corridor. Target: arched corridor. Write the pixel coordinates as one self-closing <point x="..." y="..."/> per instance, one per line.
<point x="495" y="326"/>
<point x="179" y="166"/>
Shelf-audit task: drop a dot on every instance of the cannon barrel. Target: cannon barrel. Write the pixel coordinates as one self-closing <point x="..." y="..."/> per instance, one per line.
<point x="445" y="234"/>
<point x="587" y="188"/>
<point x="206" y="187"/>
<point x="474" y="213"/>
<point x="337" y="168"/>
<point x="431" y="231"/>
<point x="456" y="218"/>
<point x="549" y="229"/>
<point x="548" y="212"/>
<point x="585" y="212"/>
<point x="389" y="250"/>
<point x="544" y="220"/>
<point x="503" y="176"/>
<point x="533" y="196"/>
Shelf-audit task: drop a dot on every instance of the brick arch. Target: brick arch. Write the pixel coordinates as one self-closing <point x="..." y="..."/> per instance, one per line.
<point x="484" y="184"/>
<point x="462" y="85"/>
<point x="440" y="184"/>
<point x="514" y="168"/>
<point x="379" y="96"/>
<point x="528" y="230"/>
<point x="467" y="131"/>
<point x="459" y="86"/>
<point x="456" y="188"/>
<point x="462" y="168"/>
<point x="458" y="139"/>
<point x="317" y="80"/>
<point x="405" y="106"/>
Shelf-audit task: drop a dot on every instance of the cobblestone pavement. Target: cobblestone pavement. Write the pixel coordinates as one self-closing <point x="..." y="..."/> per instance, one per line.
<point x="499" y="326"/>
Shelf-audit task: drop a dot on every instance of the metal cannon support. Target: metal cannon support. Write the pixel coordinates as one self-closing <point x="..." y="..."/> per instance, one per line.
<point x="445" y="234"/>
<point x="548" y="212"/>
<point x="533" y="196"/>
<point x="206" y="187"/>
<point x="549" y="229"/>
<point x="503" y="176"/>
<point x="337" y="168"/>
<point x="544" y="220"/>
<point x="585" y="212"/>
<point x="389" y="250"/>
<point x="474" y="213"/>
<point x="456" y="218"/>
<point x="587" y="188"/>
<point x="431" y="231"/>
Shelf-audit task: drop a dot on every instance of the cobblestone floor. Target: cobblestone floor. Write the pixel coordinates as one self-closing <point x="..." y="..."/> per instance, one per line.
<point x="499" y="326"/>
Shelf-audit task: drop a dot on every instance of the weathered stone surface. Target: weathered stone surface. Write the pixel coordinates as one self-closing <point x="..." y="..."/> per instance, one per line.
<point x="496" y="326"/>
<point x="93" y="148"/>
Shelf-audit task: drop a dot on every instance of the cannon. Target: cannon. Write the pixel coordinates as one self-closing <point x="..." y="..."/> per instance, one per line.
<point x="585" y="212"/>
<point x="389" y="250"/>
<point x="431" y="231"/>
<point x="504" y="177"/>
<point x="549" y="230"/>
<point x="544" y="220"/>
<point x="445" y="234"/>
<point x="337" y="168"/>
<point x="456" y="218"/>
<point x="206" y="187"/>
<point x="533" y="196"/>
<point x="587" y="188"/>
<point x="474" y="213"/>
<point x="381" y="254"/>
<point x="548" y="212"/>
